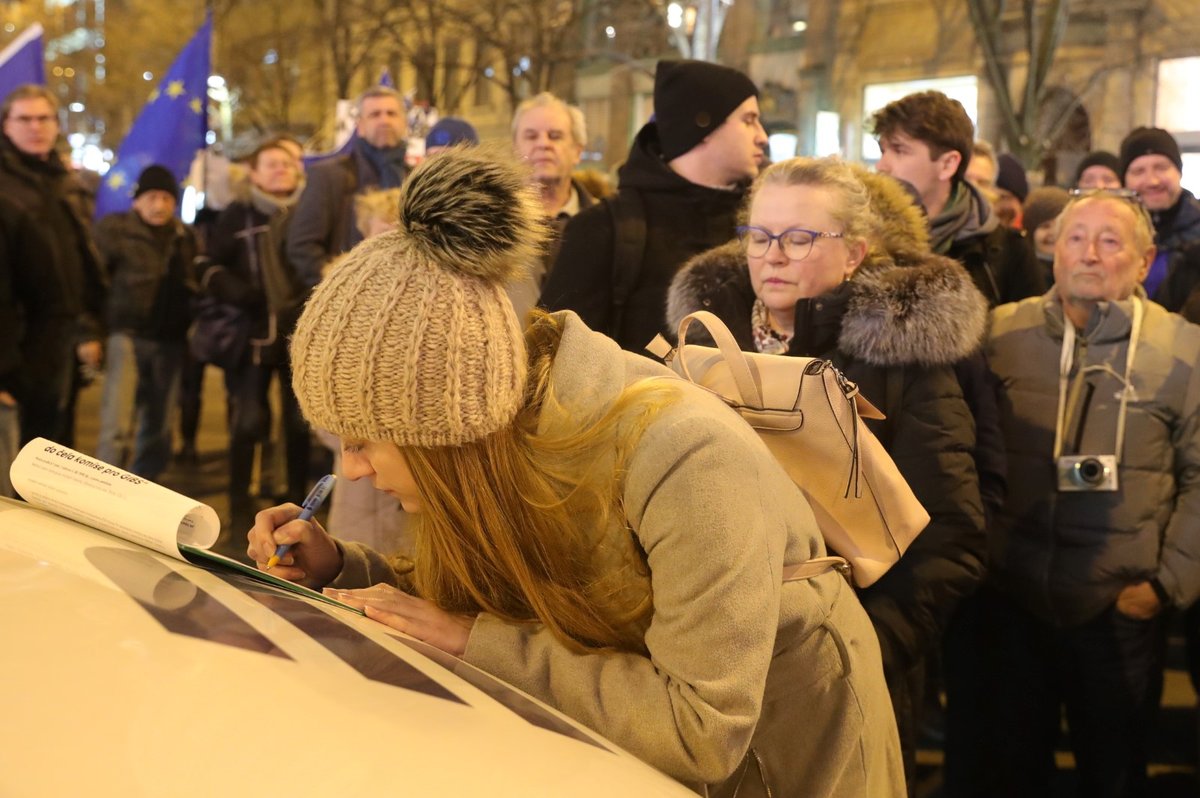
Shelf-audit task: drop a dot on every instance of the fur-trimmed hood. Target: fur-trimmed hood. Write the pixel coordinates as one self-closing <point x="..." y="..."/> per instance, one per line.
<point x="927" y="313"/>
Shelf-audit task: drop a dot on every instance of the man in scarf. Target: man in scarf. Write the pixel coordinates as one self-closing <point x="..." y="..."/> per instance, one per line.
<point x="926" y="139"/>
<point x="324" y="225"/>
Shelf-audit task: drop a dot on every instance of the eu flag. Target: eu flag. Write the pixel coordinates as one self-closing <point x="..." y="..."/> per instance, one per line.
<point x="169" y="130"/>
<point x="22" y="62"/>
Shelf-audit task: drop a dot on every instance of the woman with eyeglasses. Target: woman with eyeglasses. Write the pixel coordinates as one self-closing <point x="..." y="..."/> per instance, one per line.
<point x="833" y="262"/>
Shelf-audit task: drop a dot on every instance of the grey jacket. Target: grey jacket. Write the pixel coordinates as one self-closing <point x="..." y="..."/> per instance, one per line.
<point x="1066" y="556"/>
<point x="740" y="665"/>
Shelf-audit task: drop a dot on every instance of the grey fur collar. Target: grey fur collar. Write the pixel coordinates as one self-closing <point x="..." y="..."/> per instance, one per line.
<point x="929" y="313"/>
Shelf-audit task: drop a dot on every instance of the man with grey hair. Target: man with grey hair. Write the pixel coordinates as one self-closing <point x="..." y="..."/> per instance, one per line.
<point x="1099" y="534"/>
<point x="322" y="224"/>
<point x="549" y="136"/>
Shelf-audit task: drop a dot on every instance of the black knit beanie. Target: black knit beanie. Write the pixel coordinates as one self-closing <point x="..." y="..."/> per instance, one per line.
<point x="1100" y="158"/>
<point x="692" y="99"/>
<point x="1149" y="141"/>
<point x="156" y="178"/>
<point x="1012" y="176"/>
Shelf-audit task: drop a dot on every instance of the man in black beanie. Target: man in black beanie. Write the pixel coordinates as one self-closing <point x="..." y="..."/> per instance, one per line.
<point x="1153" y="167"/>
<point x="1098" y="169"/>
<point x="679" y="194"/>
<point x="1012" y="187"/>
<point x="147" y="253"/>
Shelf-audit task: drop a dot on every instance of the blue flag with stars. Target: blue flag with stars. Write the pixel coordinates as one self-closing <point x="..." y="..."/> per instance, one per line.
<point x="22" y="62"/>
<point x="170" y="129"/>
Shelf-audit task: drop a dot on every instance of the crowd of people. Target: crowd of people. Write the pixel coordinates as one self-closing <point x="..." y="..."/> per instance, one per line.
<point x="528" y="489"/>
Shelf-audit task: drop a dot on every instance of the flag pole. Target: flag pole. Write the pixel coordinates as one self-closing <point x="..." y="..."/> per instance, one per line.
<point x="208" y="13"/>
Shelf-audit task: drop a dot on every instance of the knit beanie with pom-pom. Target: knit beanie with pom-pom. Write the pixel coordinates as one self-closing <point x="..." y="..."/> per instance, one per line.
<point x="411" y="337"/>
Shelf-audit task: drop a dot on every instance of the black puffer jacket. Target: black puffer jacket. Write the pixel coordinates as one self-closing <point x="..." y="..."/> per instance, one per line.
<point x="149" y="272"/>
<point x="682" y="220"/>
<point x="912" y="323"/>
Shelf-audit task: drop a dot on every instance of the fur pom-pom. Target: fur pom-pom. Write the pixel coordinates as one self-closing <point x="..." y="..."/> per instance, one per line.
<point x="904" y="235"/>
<point x="471" y="210"/>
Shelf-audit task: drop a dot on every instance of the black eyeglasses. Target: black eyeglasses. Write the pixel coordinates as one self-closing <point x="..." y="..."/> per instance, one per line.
<point x="795" y="243"/>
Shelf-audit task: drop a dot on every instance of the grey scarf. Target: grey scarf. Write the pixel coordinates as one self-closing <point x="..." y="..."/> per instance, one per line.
<point x="966" y="214"/>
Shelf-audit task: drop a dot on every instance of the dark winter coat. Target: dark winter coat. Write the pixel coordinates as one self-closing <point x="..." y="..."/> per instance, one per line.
<point x="1177" y="225"/>
<point x="149" y="274"/>
<point x="247" y="258"/>
<point x="323" y="224"/>
<point x="682" y="220"/>
<point x="44" y="190"/>
<point x="887" y="327"/>
<point x="1177" y="234"/>
<point x="30" y="293"/>
<point x="1001" y="263"/>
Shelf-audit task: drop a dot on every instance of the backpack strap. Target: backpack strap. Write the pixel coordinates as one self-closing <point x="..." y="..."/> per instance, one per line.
<point x="628" y="211"/>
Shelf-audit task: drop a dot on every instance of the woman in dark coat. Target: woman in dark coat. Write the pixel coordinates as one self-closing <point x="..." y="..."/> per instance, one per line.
<point x="833" y="262"/>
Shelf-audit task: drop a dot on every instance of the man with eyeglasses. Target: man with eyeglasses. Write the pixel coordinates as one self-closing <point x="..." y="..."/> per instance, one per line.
<point x="34" y="178"/>
<point x="1100" y="532"/>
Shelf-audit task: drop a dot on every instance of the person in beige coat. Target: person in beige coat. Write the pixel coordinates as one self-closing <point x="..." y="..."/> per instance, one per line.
<point x="590" y="528"/>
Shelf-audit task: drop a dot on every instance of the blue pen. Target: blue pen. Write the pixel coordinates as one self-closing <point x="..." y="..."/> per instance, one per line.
<point x="311" y="504"/>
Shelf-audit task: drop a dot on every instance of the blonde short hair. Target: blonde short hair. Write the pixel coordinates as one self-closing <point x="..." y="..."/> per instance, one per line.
<point x="852" y="209"/>
<point x="381" y="204"/>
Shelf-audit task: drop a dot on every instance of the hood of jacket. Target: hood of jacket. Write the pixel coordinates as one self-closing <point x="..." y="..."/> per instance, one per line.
<point x="646" y="169"/>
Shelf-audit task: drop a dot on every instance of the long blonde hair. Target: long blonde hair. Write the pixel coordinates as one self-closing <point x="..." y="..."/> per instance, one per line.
<point x="506" y="521"/>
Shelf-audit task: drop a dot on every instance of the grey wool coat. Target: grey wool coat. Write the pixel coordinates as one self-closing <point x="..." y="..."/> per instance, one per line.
<point x="752" y="686"/>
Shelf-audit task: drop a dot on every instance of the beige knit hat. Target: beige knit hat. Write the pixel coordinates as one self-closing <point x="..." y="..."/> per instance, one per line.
<point x="411" y="338"/>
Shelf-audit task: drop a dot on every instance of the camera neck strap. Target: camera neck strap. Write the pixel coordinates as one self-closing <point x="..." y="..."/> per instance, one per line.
<point x="1066" y="360"/>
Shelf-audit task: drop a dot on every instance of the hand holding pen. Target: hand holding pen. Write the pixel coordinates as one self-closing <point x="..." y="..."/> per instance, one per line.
<point x="311" y="557"/>
<point x="312" y="503"/>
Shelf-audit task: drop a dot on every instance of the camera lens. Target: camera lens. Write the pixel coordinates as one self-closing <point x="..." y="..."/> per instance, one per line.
<point x="1089" y="472"/>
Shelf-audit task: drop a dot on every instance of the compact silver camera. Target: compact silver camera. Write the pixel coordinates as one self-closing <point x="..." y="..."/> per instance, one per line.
<point x="1090" y="472"/>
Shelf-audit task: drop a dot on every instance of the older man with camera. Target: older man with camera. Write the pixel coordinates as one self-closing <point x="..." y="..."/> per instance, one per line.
<point x="1100" y="533"/>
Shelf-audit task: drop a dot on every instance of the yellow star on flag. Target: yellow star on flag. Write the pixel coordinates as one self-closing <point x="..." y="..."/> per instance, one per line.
<point x="154" y="95"/>
<point x="117" y="180"/>
<point x="175" y="89"/>
<point x="195" y="105"/>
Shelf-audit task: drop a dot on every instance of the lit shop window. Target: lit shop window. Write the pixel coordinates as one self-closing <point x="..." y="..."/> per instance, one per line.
<point x="1176" y="110"/>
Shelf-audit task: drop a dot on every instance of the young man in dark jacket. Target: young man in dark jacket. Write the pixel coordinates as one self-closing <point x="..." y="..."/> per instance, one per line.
<point x="926" y="140"/>
<point x="147" y="254"/>
<point x="679" y="196"/>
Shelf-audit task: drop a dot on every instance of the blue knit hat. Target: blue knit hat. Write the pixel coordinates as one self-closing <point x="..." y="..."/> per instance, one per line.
<point x="450" y="131"/>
